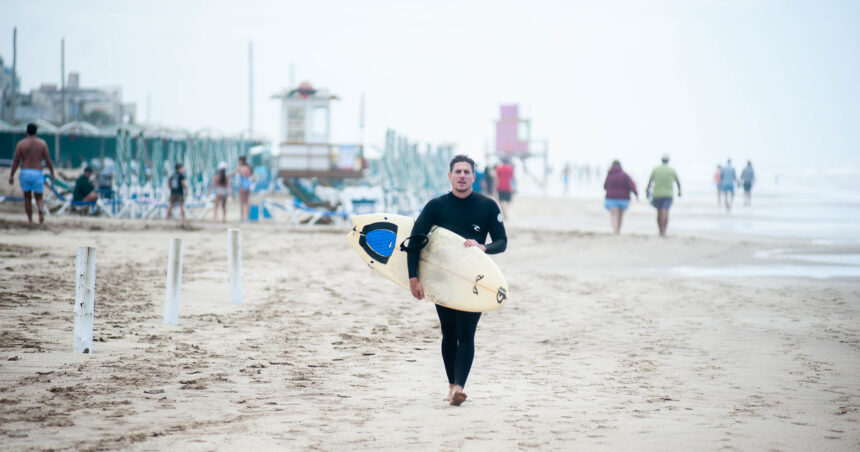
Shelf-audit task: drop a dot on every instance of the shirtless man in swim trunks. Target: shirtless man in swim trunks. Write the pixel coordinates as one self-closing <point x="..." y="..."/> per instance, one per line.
<point x="29" y="154"/>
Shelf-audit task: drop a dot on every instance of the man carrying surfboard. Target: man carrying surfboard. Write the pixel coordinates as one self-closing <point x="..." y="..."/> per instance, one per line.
<point x="472" y="216"/>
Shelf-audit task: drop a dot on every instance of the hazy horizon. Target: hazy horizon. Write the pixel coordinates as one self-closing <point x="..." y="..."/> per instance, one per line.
<point x="771" y="81"/>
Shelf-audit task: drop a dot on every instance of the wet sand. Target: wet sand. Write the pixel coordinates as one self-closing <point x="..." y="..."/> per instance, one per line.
<point x="601" y="347"/>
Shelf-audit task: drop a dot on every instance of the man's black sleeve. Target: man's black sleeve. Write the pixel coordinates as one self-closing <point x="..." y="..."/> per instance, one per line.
<point x="497" y="246"/>
<point x="421" y="227"/>
<point x="497" y="231"/>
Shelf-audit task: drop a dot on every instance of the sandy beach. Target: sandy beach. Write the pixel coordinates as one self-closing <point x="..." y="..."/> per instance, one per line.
<point x="603" y="346"/>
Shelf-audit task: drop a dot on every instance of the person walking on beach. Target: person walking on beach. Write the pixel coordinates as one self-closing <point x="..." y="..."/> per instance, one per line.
<point x="565" y="177"/>
<point x="748" y="179"/>
<point x="177" y="191"/>
<point x="718" y="178"/>
<point x="105" y="182"/>
<point x="478" y="186"/>
<point x="618" y="186"/>
<point x="489" y="180"/>
<point x="505" y="185"/>
<point x="472" y="216"/>
<point x="728" y="178"/>
<point x="29" y="154"/>
<point x="661" y="192"/>
<point x="244" y="171"/>
<point x="221" y="185"/>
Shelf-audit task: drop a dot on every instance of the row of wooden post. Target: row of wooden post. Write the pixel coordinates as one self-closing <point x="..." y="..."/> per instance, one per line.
<point x="85" y="284"/>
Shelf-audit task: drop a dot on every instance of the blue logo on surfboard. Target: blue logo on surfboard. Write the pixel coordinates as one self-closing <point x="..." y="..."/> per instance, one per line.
<point x="378" y="240"/>
<point x="382" y="241"/>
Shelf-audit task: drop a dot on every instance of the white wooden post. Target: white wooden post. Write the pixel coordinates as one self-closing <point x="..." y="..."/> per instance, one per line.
<point x="234" y="260"/>
<point x="85" y="288"/>
<point x="174" y="282"/>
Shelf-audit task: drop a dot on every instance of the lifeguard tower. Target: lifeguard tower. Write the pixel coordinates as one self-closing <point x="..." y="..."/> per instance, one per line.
<point x="305" y="145"/>
<point x="513" y="140"/>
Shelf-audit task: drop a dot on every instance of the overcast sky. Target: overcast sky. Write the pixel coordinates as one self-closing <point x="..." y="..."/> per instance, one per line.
<point x="775" y="81"/>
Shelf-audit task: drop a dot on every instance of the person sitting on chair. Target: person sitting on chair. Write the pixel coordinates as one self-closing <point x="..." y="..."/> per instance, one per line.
<point x="84" y="190"/>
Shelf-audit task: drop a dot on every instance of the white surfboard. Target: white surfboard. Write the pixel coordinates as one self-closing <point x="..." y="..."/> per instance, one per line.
<point x="460" y="278"/>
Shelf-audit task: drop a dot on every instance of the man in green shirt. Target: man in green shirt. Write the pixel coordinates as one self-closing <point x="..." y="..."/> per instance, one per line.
<point x="660" y="191"/>
<point x="84" y="190"/>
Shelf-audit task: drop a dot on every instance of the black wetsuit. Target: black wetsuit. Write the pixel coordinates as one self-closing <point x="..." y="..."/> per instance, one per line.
<point x="471" y="217"/>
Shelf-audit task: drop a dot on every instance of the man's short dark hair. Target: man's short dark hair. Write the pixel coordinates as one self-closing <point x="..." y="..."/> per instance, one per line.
<point x="461" y="158"/>
<point x="88" y="169"/>
<point x="177" y="166"/>
<point x="31" y="129"/>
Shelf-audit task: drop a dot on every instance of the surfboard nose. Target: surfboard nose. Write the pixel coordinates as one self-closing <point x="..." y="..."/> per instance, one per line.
<point x="352" y="236"/>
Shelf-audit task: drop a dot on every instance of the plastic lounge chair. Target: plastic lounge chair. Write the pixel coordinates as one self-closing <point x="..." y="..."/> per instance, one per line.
<point x="199" y="209"/>
<point x="317" y="215"/>
<point x="21" y="200"/>
<point x="273" y="206"/>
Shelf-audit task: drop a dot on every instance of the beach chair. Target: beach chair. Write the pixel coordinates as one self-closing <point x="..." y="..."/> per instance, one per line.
<point x="150" y="207"/>
<point x="63" y="203"/>
<point x="317" y="215"/>
<point x="11" y="199"/>
<point x="199" y="209"/>
<point x="278" y="210"/>
<point x="299" y="214"/>
<point x="17" y="199"/>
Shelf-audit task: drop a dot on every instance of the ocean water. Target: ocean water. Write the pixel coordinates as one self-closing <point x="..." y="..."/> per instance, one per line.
<point x="819" y="209"/>
<point x="813" y="215"/>
<point x="766" y="269"/>
<point x="797" y="255"/>
<point x="817" y="205"/>
<point x="822" y="213"/>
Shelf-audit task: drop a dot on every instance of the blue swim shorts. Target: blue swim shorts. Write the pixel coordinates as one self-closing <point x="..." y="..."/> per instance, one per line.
<point x="32" y="180"/>
<point x="614" y="203"/>
<point x="662" y="203"/>
<point x="729" y="187"/>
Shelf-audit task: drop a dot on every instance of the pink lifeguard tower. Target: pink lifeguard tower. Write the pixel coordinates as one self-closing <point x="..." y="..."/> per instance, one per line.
<point x="513" y="140"/>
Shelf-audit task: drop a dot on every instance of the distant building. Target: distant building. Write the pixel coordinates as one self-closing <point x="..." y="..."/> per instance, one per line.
<point x="5" y="77"/>
<point x="98" y="106"/>
<point x="5" y="89"/>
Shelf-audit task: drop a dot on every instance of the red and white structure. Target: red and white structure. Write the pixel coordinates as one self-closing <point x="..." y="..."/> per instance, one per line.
<point x="306" y="148"/>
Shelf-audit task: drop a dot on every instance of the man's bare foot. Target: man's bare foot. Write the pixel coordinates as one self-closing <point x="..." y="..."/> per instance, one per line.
<point x="41" y="217"/>
<point x="458" y="398"/>
<point x="450" y="393"/>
